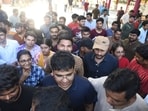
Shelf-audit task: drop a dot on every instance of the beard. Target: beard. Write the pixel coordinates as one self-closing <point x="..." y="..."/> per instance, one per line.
<point x="99" y="56"/>
<point x="132" y="40"/>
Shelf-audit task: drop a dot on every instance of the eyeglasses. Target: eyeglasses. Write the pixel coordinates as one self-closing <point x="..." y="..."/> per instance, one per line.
<point x="24" y="61"/>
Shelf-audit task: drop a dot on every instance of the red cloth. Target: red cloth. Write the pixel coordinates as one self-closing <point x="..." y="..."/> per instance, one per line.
<point x="136" y="24"/>
<point x="123" y="62"/>
<point x="94" y="33"/>
<point x="86" y="6"/>
<point x="73" y="25"/>
<point x="143" y="75"/>
<point x="76" y="32"/>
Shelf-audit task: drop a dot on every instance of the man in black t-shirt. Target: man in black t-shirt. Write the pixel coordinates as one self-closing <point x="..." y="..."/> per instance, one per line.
<point x="13" y="97"/>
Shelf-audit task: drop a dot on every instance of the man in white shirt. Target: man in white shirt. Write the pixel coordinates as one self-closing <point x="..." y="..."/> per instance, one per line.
<point x="91" y="23"/>
<point x="118" y="92"/>
<point x="125" y="18"/>
<point x="105" y="17"/>
<point x="8" y="49"/>
<point x="143" y="32"/>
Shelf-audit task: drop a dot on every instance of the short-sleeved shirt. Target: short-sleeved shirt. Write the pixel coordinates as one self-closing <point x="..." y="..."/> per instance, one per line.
<point x="90" y="24"/>
<point x="143" y="75"/>
<point x="92" y="69"/>
<point x="102" y="105"/>
<point x="22" y="104"/>
<point x="94" y="33"/>
<point x="81" y="92"/>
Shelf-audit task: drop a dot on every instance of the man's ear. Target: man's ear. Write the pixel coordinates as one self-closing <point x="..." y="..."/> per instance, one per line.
<point x="51" y="73"/>
<point x="146" y="62"/>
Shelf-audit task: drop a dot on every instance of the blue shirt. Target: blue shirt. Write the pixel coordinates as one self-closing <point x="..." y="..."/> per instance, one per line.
<point x="92" y="69"/>
<point x="109" y="32"/>
<point x="35" y="76"/>
<point x="45" y="30"/>
<point x="9" y="52"/>
<point x="90" y="24"/>
<point x="81" y="92"/>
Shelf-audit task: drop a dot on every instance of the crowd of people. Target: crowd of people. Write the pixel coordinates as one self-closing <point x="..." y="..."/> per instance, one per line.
<point x="84" y="65"/>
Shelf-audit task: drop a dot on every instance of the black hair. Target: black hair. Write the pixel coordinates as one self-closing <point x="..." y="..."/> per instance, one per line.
<point x="81" y="17"/>
<point x="135" y="31"/>
<point x="118" y="29"/>
<point x="54" y="26"/>
<point x="62" y="17"/>
<point x="143" y="51"/>
<point x="47" y="41"/>
<point x="86" y="42"/>
<point x="100" y="20"/>
<point x="51" y="98"/>
<point x="30" y="33"/>
<point x="123" y="80"/>
<point x="115" y="46"/>
<point x="3" y="30"/>
<point x="74" y="16"/>
<point x="132" y="11"/>
<point x="64" y="35"/>
<point x="23" y="52"/>
<point x="62" y="60"/>
<point x="9" y="77"/>
<point x="144" y="22"/>
<point x="89" y="13"/>
<point x="146" y="16"/>
<point x="85" y="29"/>
<point x="114" y="22"/>
<point x="131" y="16"/>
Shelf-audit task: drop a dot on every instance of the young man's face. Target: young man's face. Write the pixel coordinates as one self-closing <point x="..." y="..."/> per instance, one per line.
<point x="64" y="45"/>
<point x="117" y="100"/>
<point x="131" y="19"/>
<point x="99" y="53"/>
<point x="19" y="30"/>
<point x="99" y="25"/>
<point x="115" y="26"/>
<point x="140" y="60"/>
<point x="82" y="22"/>
<point x="30" y="41"/>
<point x="10" y="95"/>
<point x="88" y="17"/>
<point x="63" y="78"/>
<point x="2" y="37"/>
<point x="31" y="25"/>
<point x="85" y="34"/>
<point x="47" y="20"/>
<point x="117" y="35"/>
<point x="62" y="21"/>
<point x="145" y="27"/>
<point x="54" y="33"/>
<point x="132" y="37"/>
